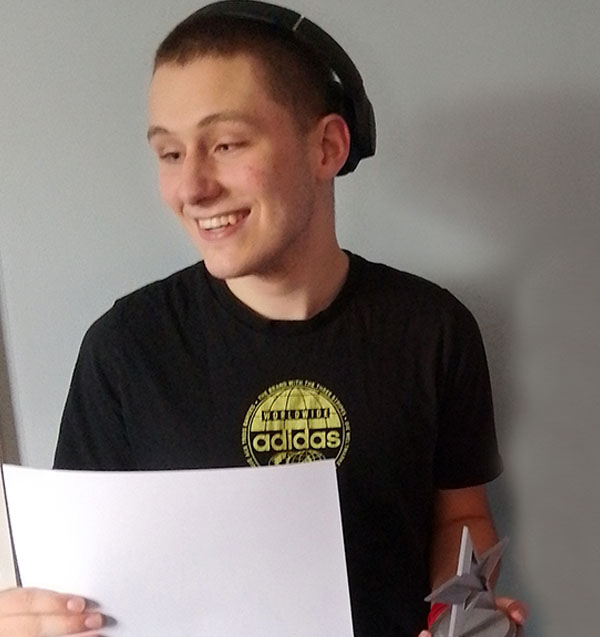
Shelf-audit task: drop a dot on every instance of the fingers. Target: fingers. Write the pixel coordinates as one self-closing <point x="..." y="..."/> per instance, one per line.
<point x="31" y="612"/>
<point x="48" y="625"/>
<point x="25" y="601"/>
<point x="514" y="608"/>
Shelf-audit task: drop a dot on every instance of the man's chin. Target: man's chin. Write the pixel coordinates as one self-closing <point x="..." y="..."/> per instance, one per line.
<point x="227" y="268"/>
<point x="224" y="270"/>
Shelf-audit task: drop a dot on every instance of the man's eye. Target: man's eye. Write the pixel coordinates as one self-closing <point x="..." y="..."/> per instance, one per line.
<point x="225" y="147"/>
<point x="169" y="157"/>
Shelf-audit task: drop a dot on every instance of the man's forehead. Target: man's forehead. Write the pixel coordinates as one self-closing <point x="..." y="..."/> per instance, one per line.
<point x="208" y="90"/>
<point x="202" y="79"/>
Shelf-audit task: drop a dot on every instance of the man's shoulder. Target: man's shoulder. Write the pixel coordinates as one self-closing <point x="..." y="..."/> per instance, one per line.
<point x="153" y="303"/>
<point x="393" y="286"/>
<point x="385" y="275"/>
<point x="173" y="289"/>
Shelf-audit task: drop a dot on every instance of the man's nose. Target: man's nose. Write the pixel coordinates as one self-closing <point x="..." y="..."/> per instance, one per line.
<point x="199" y="184"/>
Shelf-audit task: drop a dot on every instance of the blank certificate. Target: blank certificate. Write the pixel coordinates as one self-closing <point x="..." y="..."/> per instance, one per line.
<point x="244" y="551"/>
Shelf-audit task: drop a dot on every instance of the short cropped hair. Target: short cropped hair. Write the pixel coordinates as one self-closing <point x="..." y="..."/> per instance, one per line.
<point x="295" y="77"/>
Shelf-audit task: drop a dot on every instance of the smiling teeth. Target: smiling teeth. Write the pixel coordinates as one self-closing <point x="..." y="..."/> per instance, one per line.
<point x="221" y="221"/>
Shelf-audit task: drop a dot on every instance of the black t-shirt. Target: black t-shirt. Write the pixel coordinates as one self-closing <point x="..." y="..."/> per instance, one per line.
<point x="391" y="380"/>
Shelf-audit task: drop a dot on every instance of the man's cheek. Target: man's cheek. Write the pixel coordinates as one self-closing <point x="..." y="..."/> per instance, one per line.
<point x="253" y="177"/>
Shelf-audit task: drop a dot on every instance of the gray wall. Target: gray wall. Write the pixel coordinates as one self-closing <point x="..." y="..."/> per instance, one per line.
<point x="486" y="181"/>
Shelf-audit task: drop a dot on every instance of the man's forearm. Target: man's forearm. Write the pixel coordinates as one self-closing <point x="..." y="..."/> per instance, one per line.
<point x="453" y="510"/>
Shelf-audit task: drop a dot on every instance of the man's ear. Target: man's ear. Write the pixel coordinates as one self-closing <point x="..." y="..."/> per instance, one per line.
<point x="332" y="138"/>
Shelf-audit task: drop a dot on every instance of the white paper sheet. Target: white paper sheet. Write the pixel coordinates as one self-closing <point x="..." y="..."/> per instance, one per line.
<point x="249" y="551"/>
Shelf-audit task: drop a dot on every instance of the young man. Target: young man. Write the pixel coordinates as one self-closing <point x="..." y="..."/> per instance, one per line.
<point x="280" y="346"/>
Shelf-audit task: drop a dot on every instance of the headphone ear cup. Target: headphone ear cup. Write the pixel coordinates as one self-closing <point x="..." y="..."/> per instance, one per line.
<point x="365" y="126"/>
<point x="360" y="118"/>
<point x="354" y="154"/>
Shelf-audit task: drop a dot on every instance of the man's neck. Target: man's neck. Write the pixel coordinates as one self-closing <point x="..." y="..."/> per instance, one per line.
<point x="304" y="290"/>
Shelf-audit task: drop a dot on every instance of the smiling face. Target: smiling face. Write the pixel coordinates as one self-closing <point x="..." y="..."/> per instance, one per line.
<point x="235" y="168"/>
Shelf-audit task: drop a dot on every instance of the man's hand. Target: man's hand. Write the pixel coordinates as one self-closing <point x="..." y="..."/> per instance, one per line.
<point x="516" y="610"/>
<point x="32" y="612"/>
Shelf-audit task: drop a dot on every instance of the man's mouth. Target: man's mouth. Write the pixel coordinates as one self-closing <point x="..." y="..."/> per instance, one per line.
<point x="222" y="221"/>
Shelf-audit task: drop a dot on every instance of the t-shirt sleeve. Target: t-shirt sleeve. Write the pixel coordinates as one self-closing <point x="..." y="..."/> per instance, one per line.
<point x="92" y="432"/>
<point x="466" y="452"/>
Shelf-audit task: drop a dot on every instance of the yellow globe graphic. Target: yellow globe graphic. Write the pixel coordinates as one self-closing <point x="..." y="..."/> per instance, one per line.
<point x="295" y="421"/>
<point x="307" y="455"/>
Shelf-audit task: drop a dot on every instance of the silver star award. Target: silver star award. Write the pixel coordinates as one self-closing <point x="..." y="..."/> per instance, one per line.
<point x="473" y="611"/>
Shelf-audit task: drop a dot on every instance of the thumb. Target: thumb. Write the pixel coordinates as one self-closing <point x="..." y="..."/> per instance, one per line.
<point x="514" y="608"/>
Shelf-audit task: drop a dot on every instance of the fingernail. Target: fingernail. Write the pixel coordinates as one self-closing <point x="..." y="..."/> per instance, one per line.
<point x="76" y="604"/>
<point x="519" y="616"/>
<point x="93" y="621"/>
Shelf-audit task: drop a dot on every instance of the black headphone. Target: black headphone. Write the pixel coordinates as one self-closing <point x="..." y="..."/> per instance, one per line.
<point x="357" y="109"/>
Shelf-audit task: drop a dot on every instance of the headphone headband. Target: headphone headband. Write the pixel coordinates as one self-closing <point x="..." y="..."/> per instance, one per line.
<point x="356" y="109"/>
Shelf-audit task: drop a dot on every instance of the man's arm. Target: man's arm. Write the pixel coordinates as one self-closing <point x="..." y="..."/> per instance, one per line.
<point x="453" y="509"/>
<point x="92" y="433"/>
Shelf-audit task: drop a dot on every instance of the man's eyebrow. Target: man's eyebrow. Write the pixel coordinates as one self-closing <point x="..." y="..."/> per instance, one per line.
<point x="222" y="116"/>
